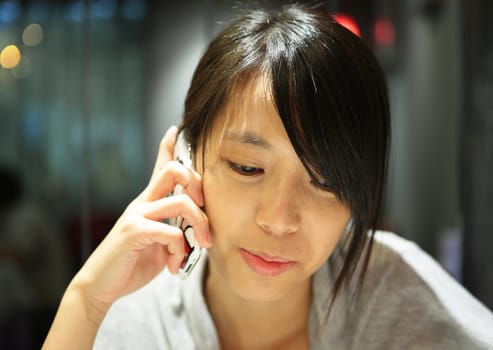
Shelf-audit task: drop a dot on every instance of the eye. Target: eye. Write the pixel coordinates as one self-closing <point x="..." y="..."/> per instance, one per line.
<point x="245" y="169"/>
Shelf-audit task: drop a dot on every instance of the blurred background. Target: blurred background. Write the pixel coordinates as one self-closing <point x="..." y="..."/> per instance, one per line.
<point x="87" y="88"/>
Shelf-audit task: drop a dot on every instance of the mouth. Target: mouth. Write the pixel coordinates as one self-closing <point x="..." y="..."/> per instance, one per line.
<point x="266" y="265"/>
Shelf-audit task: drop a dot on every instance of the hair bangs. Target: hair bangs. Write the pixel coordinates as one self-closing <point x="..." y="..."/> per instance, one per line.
<point x="311" y="116"/>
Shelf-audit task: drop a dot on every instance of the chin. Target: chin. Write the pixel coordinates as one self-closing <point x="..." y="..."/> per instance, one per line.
<point x="251" y="285"/>
<point x="260" y="292"/>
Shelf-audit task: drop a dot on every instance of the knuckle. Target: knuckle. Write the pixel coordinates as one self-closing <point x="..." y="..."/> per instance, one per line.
<point x="166" y="168"/>
<point x="186" y="207"/>
<point x="175" y="169"/>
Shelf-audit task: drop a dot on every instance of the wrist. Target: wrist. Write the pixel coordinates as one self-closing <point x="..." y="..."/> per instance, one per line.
<point x="78" y="317"/>
<point x="93" y="309"/>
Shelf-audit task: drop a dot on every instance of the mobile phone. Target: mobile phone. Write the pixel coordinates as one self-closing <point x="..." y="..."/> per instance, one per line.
<point x="193" y="251"/>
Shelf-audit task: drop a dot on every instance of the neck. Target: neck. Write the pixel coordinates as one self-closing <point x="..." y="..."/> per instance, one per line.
<point x="250" y="324"/>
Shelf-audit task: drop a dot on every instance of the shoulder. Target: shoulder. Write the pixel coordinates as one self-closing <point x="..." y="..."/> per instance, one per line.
<point x="410" y="299"/>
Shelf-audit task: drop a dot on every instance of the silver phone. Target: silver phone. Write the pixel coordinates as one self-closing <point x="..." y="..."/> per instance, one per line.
<point x="193" y="251"/>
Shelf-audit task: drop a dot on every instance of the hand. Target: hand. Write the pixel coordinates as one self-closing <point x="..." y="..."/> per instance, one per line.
<point x="140" y="245"/>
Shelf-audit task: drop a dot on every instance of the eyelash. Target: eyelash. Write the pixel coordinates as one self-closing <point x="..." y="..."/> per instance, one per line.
<point x="325" y="186"/>
<point x="245" y="170"/>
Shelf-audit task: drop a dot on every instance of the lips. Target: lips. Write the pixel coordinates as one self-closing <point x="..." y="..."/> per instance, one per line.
<point x="266" y="265"/>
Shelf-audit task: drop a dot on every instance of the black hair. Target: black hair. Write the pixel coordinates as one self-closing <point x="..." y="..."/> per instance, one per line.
<point x="331" y="96"/>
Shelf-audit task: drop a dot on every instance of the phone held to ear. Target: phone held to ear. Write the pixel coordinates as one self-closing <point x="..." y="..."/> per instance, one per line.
<point x="193" y="251"/>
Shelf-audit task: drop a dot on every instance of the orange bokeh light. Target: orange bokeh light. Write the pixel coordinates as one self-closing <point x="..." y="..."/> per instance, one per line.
<point x="10" y="56"/>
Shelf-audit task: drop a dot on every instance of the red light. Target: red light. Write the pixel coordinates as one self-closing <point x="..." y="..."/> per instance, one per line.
<point x="384" y="32"/>
<point x="348" y="22"/>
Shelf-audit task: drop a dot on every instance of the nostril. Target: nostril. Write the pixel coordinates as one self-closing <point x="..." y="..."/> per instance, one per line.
<point x="277" y="213"/>
<point x="278" y="228"/>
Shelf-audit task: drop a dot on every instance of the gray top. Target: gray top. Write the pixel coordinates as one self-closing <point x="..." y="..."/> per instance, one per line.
<point x="407" y="302"/>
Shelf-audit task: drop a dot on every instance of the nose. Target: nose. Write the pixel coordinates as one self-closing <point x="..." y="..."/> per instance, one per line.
<point x="278" y="211"/>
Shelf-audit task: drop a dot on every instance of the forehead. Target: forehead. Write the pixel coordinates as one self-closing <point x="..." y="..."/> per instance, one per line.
<point x="248" y="110"/>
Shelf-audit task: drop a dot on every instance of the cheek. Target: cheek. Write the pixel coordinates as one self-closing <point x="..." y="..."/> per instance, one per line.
<point x="325" y="232"/>
<point x="227" y="207"/>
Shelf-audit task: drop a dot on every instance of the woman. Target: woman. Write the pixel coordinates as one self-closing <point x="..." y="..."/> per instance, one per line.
<point x="288" y="120"/>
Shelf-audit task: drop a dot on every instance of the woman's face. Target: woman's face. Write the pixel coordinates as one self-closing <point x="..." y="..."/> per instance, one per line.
<point x="272" y="228"/>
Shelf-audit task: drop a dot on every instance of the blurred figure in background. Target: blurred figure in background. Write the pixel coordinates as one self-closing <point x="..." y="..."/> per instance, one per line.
<point x="33" y="266"/>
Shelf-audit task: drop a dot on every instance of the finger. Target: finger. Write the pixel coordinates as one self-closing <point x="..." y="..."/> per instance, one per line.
<point x="175" y="258"/>
<point x="166" y="146"/>
<point x="174" y="263"/>
<point x="150" y="232"/>
<point x="182" y="206"/>
<point x="173" y="173"/>
<point x="169" y="237"/>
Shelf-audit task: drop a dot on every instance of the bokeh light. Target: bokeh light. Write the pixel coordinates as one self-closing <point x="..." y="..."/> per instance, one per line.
<point x="10" y="11"/>
<point x="33" y="35"/>
<point x="348" y="22"/>
<point x="10" y="56"/>
<point x="384" y="32"/>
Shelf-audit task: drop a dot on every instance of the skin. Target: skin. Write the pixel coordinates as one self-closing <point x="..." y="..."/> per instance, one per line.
<point x="260" y="198"/>
<point x="137" y="248"/>
<point x="257" y="196"/>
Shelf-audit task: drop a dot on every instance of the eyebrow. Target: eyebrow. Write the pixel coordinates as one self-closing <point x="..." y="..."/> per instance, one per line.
<point x="247" y="137"/>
